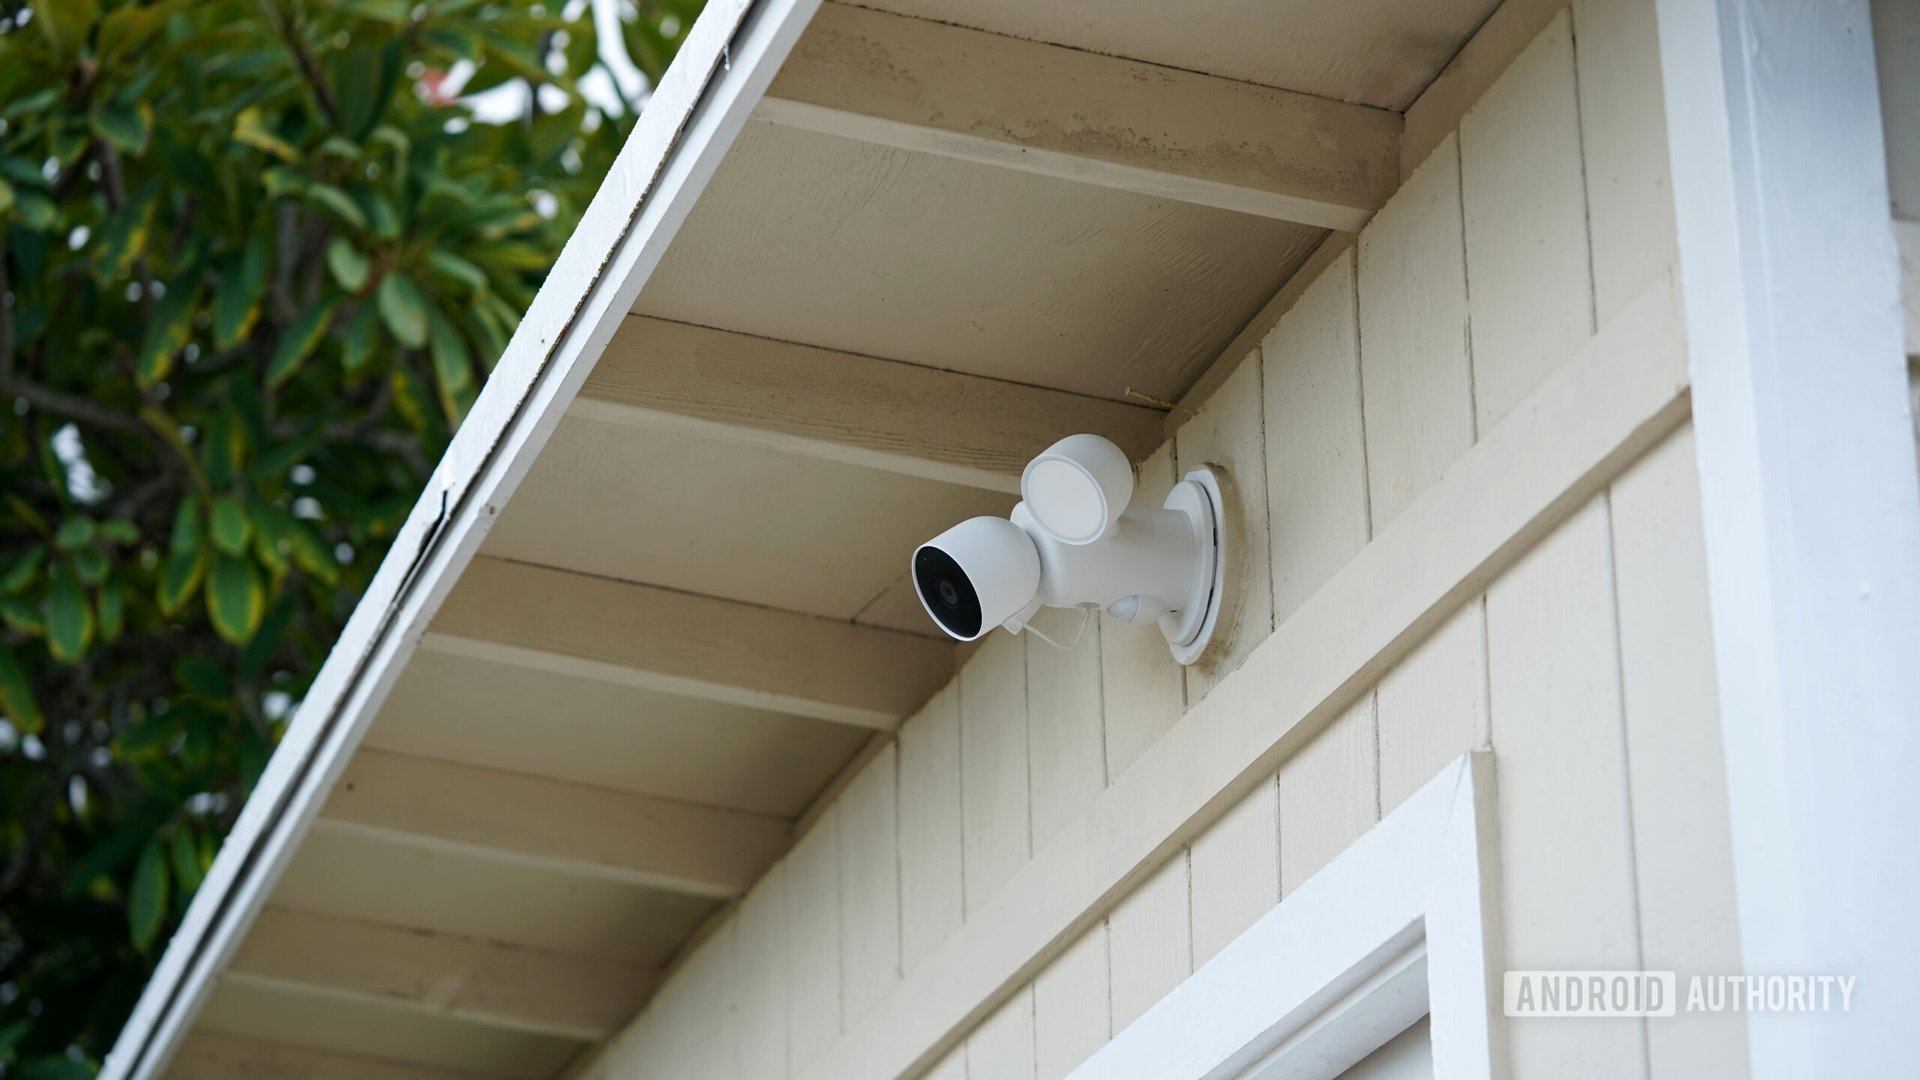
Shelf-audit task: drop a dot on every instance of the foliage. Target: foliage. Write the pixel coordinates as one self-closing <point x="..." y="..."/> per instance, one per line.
<point x="254" y="264"/>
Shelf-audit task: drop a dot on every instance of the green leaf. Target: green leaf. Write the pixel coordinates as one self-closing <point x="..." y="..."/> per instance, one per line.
<point x="458" y="269"/>
<point x="112" y="604"/>
<point x="37" y="212"/>
<point x="230" y="526"/>
<point x="312" y="554"/>
<point x="410" y="397"/>
<point x="120" y="531"/>
<point x="74" y="533"/>
<point x="6" y="196"/>
<point x="64" y="22"/>
<point x="452" y="367"/>
<point x="172" y="326"/>
<point x="127" y="127"/>
<point x="203" y="677"/>
<point x="182" y="574"/>
<point x="23" y="571"/>
<point x="236" y="305"/>
<point x="147" y="900"/>
<point x="122" y="239"/>
<point x="361" y="338"/>
<point x="188" y="533"/>
<point x="349" y="266"/>
<point x="69" y="617"/>
<point x="403" y="309"/>
<point x="299" y="342"/>
<point x="250" y="127"/>
<point x="16" y="694"/>
<point x="186" y="859"/>
<point x="339" y="203"/>
<point x="236" y="598"/>
<point x="22" y="616"/>
<point x="91" y="564"/>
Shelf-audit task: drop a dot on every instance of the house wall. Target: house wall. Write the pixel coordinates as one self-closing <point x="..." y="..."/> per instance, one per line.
<point x="1582" y="658"/>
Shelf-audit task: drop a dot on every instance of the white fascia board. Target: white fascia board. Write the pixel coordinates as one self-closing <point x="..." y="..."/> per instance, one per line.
<point x="729" y="58"/>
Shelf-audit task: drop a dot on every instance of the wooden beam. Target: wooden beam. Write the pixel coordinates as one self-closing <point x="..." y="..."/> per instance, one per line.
<point x="535" y="821"/>
<point x="658" y="639"/>
<point x="213" y="1055"/>
<point x="1170" y="134"/>
<point x="883" y="414"/>
<point x="510" y="986"/>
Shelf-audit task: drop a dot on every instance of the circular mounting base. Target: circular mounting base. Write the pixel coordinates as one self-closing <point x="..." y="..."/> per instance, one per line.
<point x="1188" y="630"/>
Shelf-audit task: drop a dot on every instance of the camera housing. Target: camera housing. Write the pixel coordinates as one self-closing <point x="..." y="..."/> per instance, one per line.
<point x="1074" y="542"/>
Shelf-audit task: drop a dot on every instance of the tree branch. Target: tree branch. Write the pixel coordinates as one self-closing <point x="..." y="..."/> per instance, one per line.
<point x="73" y="407"/>
<point x="290" y="36"/>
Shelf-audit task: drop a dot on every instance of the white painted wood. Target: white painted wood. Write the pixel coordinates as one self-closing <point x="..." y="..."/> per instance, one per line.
<point x="1530" y="293"/>
<point x="1001" y="1048"/>
<point x="1328" y="794"/>
<point x="1596" y="414"/>
<point x="1623" y="136"/>
<point x="1553" y="670"/>
<point x="814" y="987"/>
<point x="1071" y="1010"/>
<point x="721" y="69"/>
<point x="951" y="1067"/>
<point x="449" y="892"/>
<point x="1038" y="280"/>
<point x="1142" y="688"/>
<point x="1230" y="435"/>
<point x="525" y="820"/>
<point x="1066" y="741"/>
<point x="870" y="884"/>
<point x="1507" y="29"/>
<point x="1682" y="847"/>
<point x="1092" y="119"/>
<point x="1415" y="376"/>
<point x="207" y="1055"/>
<point x="1433" y="704"/>
<point x="1320" y="982"/>
<point x="1235" y="865"/>
<point x="882" y="414"/>
<point x="656" y="639"/>
<point x="1316" y="448"/>
<point x="932" y="896"/>
<point x="1150" y="940"/>
<point x="531" y="990"/>
<point x="757" y="1020"/>
<point x="1409" y="1056"/>
<point x="342" y="1025"/>
<point x="620" y="737"/>
<point x="994" y="782"/>
<point x="1810" y="501"/>
<point x="1373" y="51"/>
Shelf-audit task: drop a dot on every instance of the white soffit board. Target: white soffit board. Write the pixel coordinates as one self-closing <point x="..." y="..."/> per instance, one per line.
<point x="729" y="58"/>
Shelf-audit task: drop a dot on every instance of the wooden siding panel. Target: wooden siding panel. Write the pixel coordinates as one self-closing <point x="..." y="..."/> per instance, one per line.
<point x="1066" y="741"/>
<point x="1001" y="1048"/>
<point x="932" y="898"/>
<point x="1071" y="1011"/>
<point x="1230" y="434"/>
<point x="994" y="801"/>
<point x="1565" y="827"/>
<point x="758" y="1020"/>
<point x="1682" y="842"/>
<point x="1530" y="300"/>
<point x="1623" y="128"/>
<point x="1329" y="794"/>
<point x="813" y="942"/>
<point x="1151" y="942"/>
<point x="870" y="885"/>
<point x="1236" y="871"/>
<point x="1316" y="450"/>
<point x="1415" y="378"/>
<point x="1433" y="704"/>
<point x="1142" y="688"/>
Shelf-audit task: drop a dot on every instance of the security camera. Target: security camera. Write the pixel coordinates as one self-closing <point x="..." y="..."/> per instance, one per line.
<point x="1074" y="542"/>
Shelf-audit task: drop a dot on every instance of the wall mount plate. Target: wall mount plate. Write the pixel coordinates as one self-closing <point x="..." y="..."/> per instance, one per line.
<point x="1199" y="496"/>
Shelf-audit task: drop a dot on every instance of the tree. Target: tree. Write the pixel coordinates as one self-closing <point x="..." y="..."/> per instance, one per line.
<point x="255" y="260"/>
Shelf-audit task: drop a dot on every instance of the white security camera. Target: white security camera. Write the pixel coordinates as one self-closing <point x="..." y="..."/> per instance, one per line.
<point x="1073" y="542"/>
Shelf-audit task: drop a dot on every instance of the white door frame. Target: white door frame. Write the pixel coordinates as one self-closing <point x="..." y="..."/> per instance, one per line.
<point x="1402" y="924"/>
<point x="1810" y="504"/>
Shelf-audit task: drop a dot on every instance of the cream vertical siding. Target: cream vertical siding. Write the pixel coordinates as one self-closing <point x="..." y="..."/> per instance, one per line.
<point x="1585" y="663"/>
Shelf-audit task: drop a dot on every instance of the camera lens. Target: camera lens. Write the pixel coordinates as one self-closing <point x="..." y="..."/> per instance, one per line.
<point x="947" y="592"/>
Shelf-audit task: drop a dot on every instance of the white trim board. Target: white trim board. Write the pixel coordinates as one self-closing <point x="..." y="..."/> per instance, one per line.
<point x="1809" y="504"/>
<point x="1400" y="924"/>
<point x="691" y="119"/>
